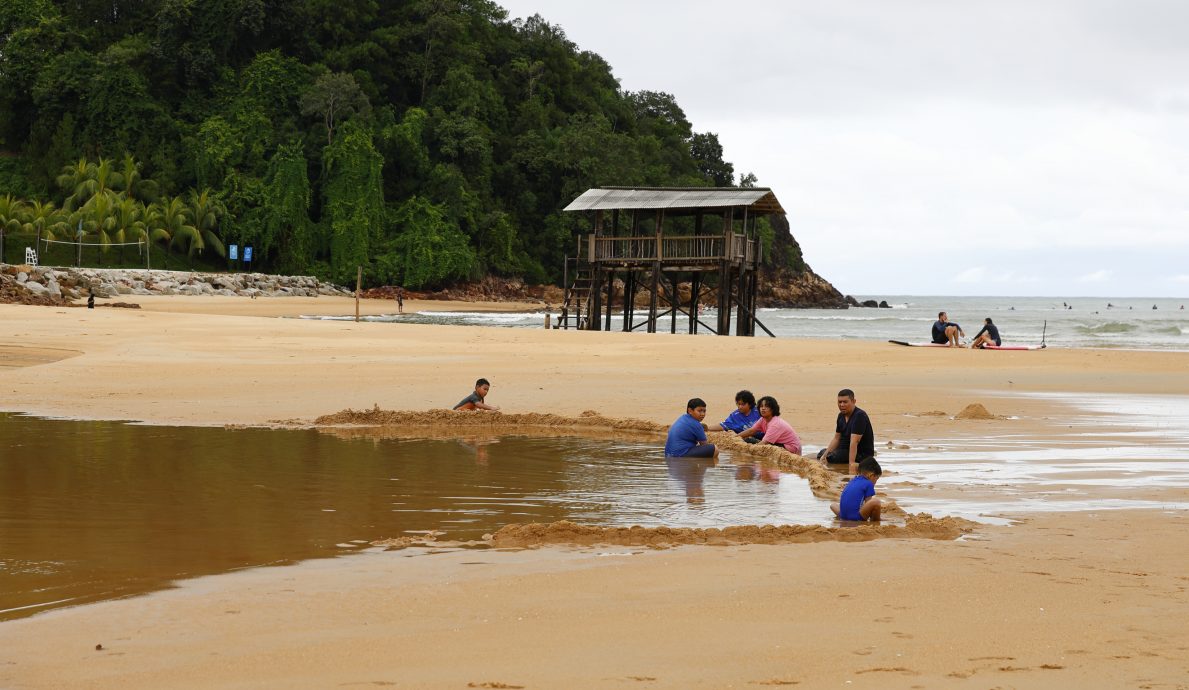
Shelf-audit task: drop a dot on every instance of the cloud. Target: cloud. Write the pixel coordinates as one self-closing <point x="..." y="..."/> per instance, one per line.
<point x="1096" y="277"/>
<point x="1183" y="278"/>
<point x="932" y="145"/>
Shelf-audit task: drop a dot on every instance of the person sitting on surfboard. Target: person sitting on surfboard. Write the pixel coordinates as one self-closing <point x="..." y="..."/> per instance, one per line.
<point x="989" y="334"/>
<point x="946" y="332"/>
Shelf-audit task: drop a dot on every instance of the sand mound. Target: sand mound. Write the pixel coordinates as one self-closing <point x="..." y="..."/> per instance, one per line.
<point x="975" y="411"/>
<point x="565" y="532"/>
<point x="484" y="419"/>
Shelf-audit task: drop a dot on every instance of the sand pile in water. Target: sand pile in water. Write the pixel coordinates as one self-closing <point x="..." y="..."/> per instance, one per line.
<point x="566" y="532"/>
<point x="483" y="419"/>
<point x="975" y="411"/>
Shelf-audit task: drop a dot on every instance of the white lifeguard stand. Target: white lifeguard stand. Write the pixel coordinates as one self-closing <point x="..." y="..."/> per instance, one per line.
<point x="30" y="256"/>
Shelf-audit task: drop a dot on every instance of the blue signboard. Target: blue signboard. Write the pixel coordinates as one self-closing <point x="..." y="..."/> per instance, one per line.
<point x="233" y="251"/>
<point x="247" y="253"/>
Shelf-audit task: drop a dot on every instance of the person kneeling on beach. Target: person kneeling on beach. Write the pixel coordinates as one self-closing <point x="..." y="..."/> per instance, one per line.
<point x="474" y="401"/>
<point x="775" y="430"/>
<point x="741" y="419"/>
<point x="989" y="334"/>
<point x="687" y="438"/>
<point x="854" y="439"/>
<point x="858" y="501"/>
<point x="946" y="332"/>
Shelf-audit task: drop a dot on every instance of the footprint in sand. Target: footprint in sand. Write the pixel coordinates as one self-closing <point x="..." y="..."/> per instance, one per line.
<point x="775" y="681"/>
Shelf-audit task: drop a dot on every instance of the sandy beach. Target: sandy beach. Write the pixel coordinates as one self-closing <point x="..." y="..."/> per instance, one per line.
<point x="1056" y="599"/>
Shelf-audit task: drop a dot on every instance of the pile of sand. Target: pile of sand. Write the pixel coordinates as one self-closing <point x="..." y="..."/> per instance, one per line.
<point x="566" y="532"/>
<point x="484" y="419"/>
<point x="975" y="411"/>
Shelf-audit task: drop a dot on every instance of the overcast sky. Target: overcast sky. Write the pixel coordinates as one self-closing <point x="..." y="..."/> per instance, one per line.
<point x="936" y="147"/>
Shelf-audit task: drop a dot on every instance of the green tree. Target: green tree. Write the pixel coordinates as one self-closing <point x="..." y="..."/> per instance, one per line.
<point x="334" y="97"/>
<point x="428" y="251"/>
<point x="354" y="209"/>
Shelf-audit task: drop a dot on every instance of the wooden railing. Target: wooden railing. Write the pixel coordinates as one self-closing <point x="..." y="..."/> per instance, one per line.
<point x="688" y="248"/>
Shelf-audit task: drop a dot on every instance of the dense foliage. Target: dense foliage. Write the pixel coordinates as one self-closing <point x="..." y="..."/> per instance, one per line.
<point x="428" y="140"/>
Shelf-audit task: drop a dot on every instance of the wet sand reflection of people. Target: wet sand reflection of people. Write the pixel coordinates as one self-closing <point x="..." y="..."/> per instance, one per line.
<point x="768" y="475"/>
<point x="691" y="472"/>
<point x="478" y="445"/>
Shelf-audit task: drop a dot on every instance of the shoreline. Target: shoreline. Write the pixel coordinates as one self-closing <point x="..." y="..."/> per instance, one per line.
<point x="1092" y="597"/>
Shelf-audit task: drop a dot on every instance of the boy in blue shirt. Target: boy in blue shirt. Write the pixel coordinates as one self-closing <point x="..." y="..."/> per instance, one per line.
<point x="858" y="501"/>
<point x="687" y="438"/>
<point x="742" y="419"/>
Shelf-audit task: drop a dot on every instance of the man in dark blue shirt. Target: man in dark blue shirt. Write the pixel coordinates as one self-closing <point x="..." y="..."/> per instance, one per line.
<point x="946" y="332"/>
<point x="687" y="438"/>
<point x="854" y="439"/>
<point x="989" y="334"/>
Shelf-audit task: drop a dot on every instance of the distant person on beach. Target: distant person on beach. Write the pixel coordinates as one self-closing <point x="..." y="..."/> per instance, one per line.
<point x="91" y="300"/>
<point x="474" y="401"/>
<point x="742" y="418"/>
<point x="989" y="334"/>
<point x="946" y="332"/>
<point x="858" y="501"/>
<point x="854" y="439"/>
<point x="775" y="430"/>
<point x="687" y="438"/>
<point x="400" y="300"/>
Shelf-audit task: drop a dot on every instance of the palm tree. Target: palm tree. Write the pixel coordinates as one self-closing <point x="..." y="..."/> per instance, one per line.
<point x="71" y="180"/>
<point x="99" y="219"/>
<point x="133" y="184"/>
<point x="128" y="222"/>
<point x="207" y="210"/>
<point x="85" y="181"/>
<point x="173" y="224"/>
<point x="12" y="216"/>
<point x="45" y="219"/>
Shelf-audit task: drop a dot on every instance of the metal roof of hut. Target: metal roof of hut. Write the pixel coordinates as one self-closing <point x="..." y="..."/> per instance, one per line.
<point x="758" y="200"/>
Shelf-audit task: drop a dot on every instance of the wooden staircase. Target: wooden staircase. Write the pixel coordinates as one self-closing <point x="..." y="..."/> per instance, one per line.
<point x="575" y="310"/>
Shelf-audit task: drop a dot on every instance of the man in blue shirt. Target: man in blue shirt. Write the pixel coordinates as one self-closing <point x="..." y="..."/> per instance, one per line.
<point x="687" y="438"/>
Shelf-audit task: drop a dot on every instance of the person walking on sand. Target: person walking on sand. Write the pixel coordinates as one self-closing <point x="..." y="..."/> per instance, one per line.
<point x="474" y="401"/>
<point x="989" y="334"/>
<point x="946" y="332"/>
<point x="775" y="430"/>
<point x="854" y="439"/>
<point x="858" y="502"/>
<point x="400" y="300"/>
<point x="687" y="438"/>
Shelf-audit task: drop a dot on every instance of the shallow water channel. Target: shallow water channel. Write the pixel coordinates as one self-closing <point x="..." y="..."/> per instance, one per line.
<point x="96" y="510"/>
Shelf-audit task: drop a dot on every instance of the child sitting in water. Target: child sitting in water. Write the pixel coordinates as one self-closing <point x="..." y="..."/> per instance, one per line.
<point x="775" y="430"/>
<point x="741" y="419"/>
<point x="687" y="438"/>
<point x="858" y="501"/>
<point x="474" y="401"/>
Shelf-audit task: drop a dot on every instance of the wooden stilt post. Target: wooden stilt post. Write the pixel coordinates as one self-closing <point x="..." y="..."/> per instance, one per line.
<point x="674" y="300"/>
<point x="629" y="298"/>
<point x="695" y="287"/>
<point x="358" y="284"/>
<point x="610" y="299"/>
<point x="596" y="299"/>
<point x="656" y="270"/>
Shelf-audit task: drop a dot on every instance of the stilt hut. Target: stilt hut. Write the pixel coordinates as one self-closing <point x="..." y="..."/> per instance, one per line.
<point x="653" y="239"/>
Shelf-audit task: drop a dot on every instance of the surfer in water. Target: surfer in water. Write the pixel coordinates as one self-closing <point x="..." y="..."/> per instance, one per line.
<point x="946" y="332"/>
<point x="989" y="334"/>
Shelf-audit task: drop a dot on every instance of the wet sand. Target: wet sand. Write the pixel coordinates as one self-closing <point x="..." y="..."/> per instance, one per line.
<point x="1096" y="599"/>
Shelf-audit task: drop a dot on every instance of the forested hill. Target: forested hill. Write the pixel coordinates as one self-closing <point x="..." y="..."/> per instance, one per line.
<point x="428" y="140"/>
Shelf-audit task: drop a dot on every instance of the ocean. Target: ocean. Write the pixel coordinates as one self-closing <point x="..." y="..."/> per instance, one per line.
<point x="1079" y="322"/>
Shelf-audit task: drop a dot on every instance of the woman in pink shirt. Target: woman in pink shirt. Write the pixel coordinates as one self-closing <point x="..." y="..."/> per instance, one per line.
<point x="776" y="431"/>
